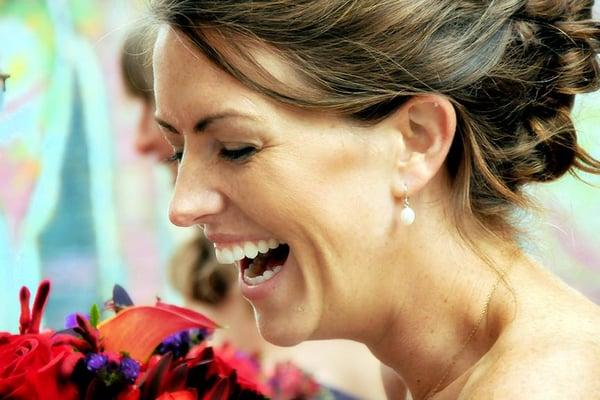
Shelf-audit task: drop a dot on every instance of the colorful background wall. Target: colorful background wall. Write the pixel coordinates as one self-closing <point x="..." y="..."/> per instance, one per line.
<point x="79" y="206"/>
<point x="76" y="203"/>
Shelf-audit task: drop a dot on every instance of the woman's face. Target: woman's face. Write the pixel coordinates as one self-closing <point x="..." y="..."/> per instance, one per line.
<point x="253" y="170"/>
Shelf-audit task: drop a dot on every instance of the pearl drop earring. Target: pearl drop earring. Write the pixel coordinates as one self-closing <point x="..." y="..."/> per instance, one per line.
<point x="407" y="215"/>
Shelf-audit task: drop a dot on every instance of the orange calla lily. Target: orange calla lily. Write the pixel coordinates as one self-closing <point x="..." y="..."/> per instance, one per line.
<point x="138" y="330"/>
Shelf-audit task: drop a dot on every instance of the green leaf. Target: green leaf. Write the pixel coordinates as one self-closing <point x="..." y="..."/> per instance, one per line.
<point x="94" y="316"/>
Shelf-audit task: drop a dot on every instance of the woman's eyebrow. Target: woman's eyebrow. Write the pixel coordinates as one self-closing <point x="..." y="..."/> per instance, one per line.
<point x="206" y="121"/>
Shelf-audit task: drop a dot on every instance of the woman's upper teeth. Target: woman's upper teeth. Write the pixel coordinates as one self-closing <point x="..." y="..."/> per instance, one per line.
<point x="234" y="252"/>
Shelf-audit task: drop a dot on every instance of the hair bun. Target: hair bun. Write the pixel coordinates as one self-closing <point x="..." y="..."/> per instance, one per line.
<point x="565" y="32"/>
<point x="562" y="41"/>
<point x="556" y="10"/>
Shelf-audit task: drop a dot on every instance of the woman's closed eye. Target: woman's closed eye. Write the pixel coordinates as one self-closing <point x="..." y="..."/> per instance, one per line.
<point x="234" y="154"/>
<point x="237" y="154"/>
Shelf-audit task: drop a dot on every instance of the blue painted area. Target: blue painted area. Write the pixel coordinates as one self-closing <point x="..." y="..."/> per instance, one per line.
<point x="100" y="141"/>
<point x="10" y="313"/>
<point x="68" y="244"/>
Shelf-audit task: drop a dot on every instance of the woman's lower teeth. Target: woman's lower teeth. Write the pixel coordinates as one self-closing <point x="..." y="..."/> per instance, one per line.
<point x="257" y="280"/>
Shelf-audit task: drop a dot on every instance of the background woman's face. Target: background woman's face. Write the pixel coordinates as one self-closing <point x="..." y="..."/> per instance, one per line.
<point x="149" y="140"/>
<point x="252" y="169"/>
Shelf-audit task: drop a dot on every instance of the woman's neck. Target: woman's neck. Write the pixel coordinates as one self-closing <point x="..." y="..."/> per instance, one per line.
<point x="451" y="314"/>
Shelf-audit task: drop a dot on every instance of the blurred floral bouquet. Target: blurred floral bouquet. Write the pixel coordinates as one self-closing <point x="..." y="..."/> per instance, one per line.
<point x="142" y="352"/>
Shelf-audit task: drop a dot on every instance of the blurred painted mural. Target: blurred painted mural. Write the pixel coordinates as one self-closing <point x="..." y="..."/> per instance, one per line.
<point x="77" y="204"/>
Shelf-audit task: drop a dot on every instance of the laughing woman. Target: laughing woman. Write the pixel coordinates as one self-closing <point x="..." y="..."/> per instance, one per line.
<point x="362" y="161"/>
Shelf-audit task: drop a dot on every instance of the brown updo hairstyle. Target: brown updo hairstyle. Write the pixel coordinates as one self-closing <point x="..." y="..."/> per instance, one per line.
<point x="511" y="69"/>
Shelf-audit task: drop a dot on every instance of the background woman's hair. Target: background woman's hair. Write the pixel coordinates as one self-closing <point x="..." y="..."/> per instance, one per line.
<point x="136" y="65"/>
<point x="511" y="69"/>
<point x="196" y="273"/>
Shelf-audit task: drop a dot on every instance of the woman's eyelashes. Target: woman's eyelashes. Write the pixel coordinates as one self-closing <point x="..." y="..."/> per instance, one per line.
<point x="236" y="154"/>
<point x="240" y="154"/>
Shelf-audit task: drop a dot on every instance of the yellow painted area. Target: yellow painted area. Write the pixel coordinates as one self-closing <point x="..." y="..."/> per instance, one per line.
<point x="17" y="67"/>
<point x="40" y="23"/>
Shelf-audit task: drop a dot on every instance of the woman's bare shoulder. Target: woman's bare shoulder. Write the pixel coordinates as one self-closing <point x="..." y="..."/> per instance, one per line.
<point x="543" y="366"/>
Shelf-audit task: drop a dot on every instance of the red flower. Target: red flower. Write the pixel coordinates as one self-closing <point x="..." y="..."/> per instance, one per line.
<point x="218" y="369"/>
<point x="30" y="363"/>
<point x="290" y="382"/>
<point x="180" y="395"/>
<point x="30" y="368"/>
<point x="99" y="363"/>
<point x="228" y="359"/>
<point x="130" y="393"/>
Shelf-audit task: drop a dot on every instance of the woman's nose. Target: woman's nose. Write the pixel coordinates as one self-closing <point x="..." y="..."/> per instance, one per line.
<point x="194" y="201"/>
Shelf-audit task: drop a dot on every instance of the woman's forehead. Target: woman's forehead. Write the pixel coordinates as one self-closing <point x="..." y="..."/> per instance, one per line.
<point x="186" y="80"/>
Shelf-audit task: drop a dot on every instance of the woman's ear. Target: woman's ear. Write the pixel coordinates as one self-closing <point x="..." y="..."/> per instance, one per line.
<point x="423" y="129"/>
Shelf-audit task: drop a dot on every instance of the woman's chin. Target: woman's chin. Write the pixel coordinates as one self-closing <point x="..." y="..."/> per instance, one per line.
<point x="283" y="333"/>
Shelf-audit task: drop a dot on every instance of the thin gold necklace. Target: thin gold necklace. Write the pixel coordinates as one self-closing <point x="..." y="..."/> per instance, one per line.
<point x="472" y="334"/>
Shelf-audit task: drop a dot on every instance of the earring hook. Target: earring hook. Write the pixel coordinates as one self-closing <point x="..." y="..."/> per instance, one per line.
<point x="407" y="216"/>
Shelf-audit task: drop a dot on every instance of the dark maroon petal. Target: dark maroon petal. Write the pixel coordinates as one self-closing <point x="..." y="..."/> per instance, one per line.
<point x="87" y="332"/>
<point x="61" y="338"/>
<point x="177" y="379"/>
<point x="41" y="298"/>
<point x="152" y="383"/>
<point x="223" y="389"/>
<point x="25" y="319"/>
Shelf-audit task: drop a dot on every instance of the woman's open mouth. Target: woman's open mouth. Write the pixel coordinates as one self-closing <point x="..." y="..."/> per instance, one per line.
<point x="258" y="261"/>
<point x="264" y="266"/>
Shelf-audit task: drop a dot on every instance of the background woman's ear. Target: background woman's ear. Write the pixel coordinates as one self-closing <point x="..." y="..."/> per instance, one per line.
<point x="424" y="127"/>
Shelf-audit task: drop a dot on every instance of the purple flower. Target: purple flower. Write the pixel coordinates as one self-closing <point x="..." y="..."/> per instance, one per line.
<point x="178" y="344"/>
<point x="130" y="369"/>
<point x="95" y="362"/>
<point x="71" y="320"/>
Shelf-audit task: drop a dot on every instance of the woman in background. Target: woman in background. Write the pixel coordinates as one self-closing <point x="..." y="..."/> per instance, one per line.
<point x="136" y="71"/>
<point x="212" y="288"/>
